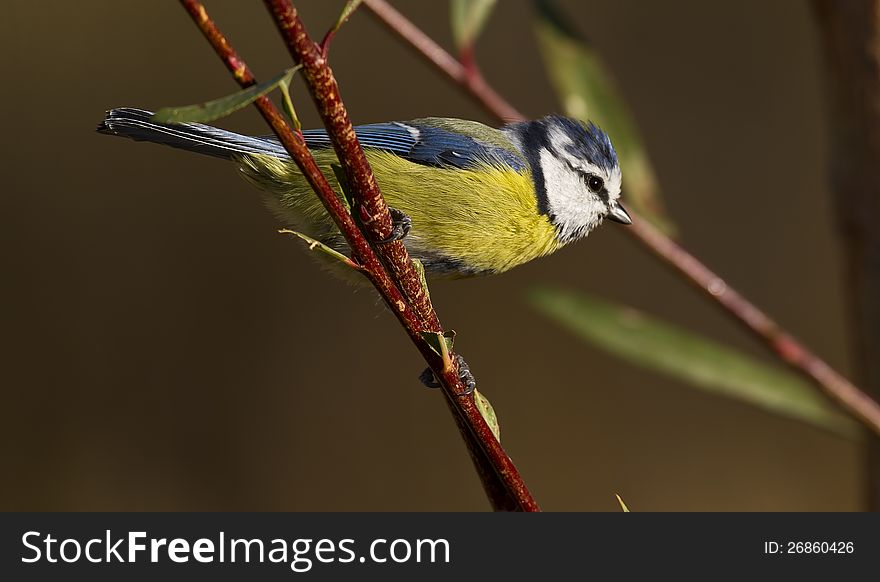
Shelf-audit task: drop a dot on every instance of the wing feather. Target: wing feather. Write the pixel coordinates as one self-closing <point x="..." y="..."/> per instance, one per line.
<point x="425" y="144"/>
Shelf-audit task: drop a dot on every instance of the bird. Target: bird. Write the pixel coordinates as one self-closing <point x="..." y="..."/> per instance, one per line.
<point x="470" y="199"/>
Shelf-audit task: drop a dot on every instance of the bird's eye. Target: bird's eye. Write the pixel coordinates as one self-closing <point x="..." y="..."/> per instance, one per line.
<point x="595" y="183"/>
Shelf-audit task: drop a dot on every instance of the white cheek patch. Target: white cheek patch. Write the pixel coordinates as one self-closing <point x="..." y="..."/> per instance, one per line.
<point x="575" y="211"/>
<point x="612" y="184"/>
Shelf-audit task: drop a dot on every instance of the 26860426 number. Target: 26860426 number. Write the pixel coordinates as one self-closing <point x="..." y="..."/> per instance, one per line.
<point x="820" y="548"/>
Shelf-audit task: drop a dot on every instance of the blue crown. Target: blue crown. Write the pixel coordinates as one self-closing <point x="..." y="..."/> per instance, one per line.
<point x="588" y="141"/>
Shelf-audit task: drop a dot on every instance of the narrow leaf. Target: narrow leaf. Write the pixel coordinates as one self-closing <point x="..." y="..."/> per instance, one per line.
<point x="622" y="504"/>
<point x="468" y="19"/>
<point x="441" y="344"/>
<point x="699" y="361"/>
<point x="316" y="245"/>
<point x="588" y="92"/>
<point x="346" y="13"/>
<point x="204" y="112"/>
<point x="287" y="103"/>
<point x="488" y="414"/>
<point x="420" y="269"/>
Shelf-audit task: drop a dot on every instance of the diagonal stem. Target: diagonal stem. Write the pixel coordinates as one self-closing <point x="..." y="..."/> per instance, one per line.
<point x="673" y="255"/>
<point x="411" y="34"/>
<point x="295" y="145"/>
<point x="501" y="481"/>
<point x="372" y="209"/>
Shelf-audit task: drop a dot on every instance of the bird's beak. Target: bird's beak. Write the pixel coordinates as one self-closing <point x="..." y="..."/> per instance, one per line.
<point x="618" y="214"/>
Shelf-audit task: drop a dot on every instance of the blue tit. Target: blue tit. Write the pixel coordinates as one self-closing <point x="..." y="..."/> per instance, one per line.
<point x="480" y="200"/>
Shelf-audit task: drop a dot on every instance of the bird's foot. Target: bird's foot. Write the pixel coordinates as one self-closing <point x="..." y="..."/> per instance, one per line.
<point x="464" y="372"/>
<point x="401" y="224"/>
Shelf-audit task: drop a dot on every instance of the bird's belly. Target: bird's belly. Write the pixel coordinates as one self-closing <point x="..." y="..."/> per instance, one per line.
<point x="467" y="222"/>
<point x="464" y="222"/>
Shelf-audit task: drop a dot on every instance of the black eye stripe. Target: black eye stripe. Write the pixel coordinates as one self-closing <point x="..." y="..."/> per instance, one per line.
<point x="599" y="189"/>
<point x="596" y="185"/>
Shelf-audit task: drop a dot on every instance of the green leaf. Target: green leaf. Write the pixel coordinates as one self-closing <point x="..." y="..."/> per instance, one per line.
<point x="287" y="103"/>
<point x="204" y="112"/>
<point x="488" y="414"/>
<point x="321" y="247"/>
<point x="440" y="344"/>
<point x="468" y="19"/>
<point x="588" y="92"/>
<point x="699" y="361"/>
<point x="420" y="269"/>
<point x="347" y="10"/>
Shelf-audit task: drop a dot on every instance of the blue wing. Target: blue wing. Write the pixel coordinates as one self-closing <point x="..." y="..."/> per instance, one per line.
<point x="425" y="145"/>
<point x="420" y="143"/>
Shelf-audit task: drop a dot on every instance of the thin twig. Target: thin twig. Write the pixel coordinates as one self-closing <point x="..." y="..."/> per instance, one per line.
<point x="855" y="401"/>
<point x="373" y="212"/>
<point x="790" y="350"/>
<point x="494" y="103"/>
<point x="501" y="481"/>
<point x="325" y="43"/>
<point x="295" y="145"/>
<point x="371" y="207"/>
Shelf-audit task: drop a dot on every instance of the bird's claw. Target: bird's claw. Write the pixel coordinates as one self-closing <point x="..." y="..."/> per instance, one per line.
<point x="401" y="224"/>
<point x="464" y="373"/>
<point x="428" y="379"/>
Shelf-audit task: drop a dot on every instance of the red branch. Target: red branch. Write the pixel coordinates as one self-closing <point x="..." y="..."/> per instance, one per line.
<point x="494" y="103"/>
<point x="855" y="401"/>
<point x="372" y="209"/>
<point x="296" y="147"/>
<point x="501" y="481"/>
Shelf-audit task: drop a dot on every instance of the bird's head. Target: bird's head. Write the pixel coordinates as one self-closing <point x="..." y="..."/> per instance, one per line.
<point x="576" y="173"/>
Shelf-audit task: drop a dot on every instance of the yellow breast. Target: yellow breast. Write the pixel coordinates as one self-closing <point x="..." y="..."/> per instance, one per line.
<point x="482" y="220"/>
<point x="465" y="222"/>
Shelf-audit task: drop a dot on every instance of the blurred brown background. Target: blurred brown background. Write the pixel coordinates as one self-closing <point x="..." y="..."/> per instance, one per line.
<point x="163" y="348"/>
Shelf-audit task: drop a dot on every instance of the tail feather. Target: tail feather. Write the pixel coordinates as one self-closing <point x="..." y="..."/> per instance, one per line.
<point x="193" y="137"/>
